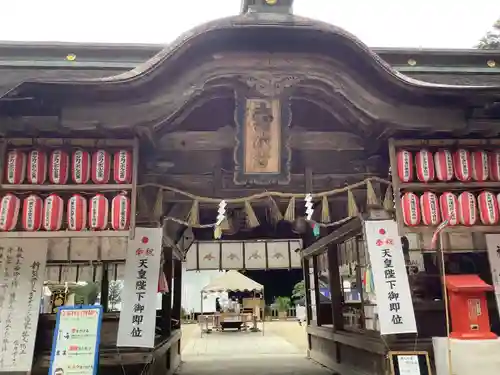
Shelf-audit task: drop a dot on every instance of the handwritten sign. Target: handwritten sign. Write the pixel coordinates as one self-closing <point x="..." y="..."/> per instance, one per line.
<point x="22" y="270"/>
<point x="409" y="363"/>
<point x="138" y="314"/>
<point x="75" y="347"/>
<point x="395" y="306"/>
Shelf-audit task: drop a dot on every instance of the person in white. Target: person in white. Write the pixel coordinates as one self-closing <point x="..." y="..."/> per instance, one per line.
<point x="300" y="311"/>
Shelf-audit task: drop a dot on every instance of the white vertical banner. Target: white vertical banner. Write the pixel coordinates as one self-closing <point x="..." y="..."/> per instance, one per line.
<point x="395" y="306"/>
<point x="493" y="247"/>
<point x="140" y="286"/>
<point x="22" y="272"/>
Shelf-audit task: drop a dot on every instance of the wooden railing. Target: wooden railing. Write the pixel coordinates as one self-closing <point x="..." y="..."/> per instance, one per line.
<point x="271" y="314"/>
<point x="291" y="313"/>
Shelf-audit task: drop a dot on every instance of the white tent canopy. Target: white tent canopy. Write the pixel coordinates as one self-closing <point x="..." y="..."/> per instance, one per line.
<point x="232" y="281"/>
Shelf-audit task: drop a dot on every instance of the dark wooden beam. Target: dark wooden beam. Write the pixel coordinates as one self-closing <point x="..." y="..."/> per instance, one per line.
<point x="335" y="287"/>
<point x="171" y="228"/>
<point x="322" y="161"/>
<point x="166" y="299"/>
<point x="345" y="231"/>
<point x="177" y="297"/>
<point x="225" y="137"/>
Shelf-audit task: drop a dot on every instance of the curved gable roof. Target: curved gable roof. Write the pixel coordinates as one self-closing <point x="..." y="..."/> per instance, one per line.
<point x="248" y="32"/>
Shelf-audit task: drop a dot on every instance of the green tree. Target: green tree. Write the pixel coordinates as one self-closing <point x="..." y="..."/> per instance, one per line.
<point x="282" y="303"/>
<point x="115" y="293"/>
<point x="492" y="38"/>
<point x="299" y="290"/>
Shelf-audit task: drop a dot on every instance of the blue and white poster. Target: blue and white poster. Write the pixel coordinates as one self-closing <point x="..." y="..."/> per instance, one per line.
<point x="75" y="347"/>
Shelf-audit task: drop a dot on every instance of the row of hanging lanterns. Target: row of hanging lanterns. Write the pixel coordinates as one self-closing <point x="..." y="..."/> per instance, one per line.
<point x="429" y="209"/>
<point x="445" y="165"/>
<point x="36" y="166"/>
<point x="47" y="214"/>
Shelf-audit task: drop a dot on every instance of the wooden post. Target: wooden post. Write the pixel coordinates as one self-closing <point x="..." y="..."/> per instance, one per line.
<point x="105" y="286"/>
<point x="317" y="293"/>
<point x="359" y="281"/>
<point x="335" y="287"/>
<point x="177" y="307"/>
<point x="395" y="185"/>
<point x="3" y="150"/>
<point x="335" y="293"/>
<point x="133" y="198"/>
<point x="166" y="300"/>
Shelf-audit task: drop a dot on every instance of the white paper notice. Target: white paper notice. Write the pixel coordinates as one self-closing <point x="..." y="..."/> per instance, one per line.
<point x="408" y="365"/>
<point x="75" y="347"/>
<point x="22" y="271"/>
<point x="140" y="287"/>
<point x="395" y="306"/>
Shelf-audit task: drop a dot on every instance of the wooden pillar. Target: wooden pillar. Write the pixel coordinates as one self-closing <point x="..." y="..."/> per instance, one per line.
<point x="307" y="286"/>
<point x="3" y="150"/>
<point x="335" y="293"/>
<point x="176" y="307"/>
<point x="317" y="293"/>
<point x="307" y="240"/>
<point x="335" y="287"/>
<point x="105" y="287"/>
<point x="166" y="300"/>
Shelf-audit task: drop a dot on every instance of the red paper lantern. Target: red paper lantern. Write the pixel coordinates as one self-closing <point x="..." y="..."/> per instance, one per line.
<point x="424" y="164"/>
<point x="480" y="166"/>
<point x="122" y="167"/>
<point x="53" y="212"/>
<point x="488" y="208"/>
<point x="77" y="213"/>
<point x="429" y="206"/>
<point x="98" y="212"/>
<point x="58" y="167"/>
<point x="101" y="166"/>
<point x="15" y="167"/>
<point x="37" y="167"/>
<point x="448" y="204"/>
<point x="32" y="213"/>
<point x="9" y="212"/>
<point x="405" y="165"/>
<point x="494" y="159"/>
<point x="120" y="212"/>
<point x="467" y="209"/>
<point x="443" y="163"/>
<point x="80" y="167"/>
<point x="462" y="164"/>
<point x="411" y="209"/>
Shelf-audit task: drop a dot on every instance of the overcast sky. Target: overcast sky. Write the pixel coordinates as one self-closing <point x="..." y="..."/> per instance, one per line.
<point x="378" y="23"/>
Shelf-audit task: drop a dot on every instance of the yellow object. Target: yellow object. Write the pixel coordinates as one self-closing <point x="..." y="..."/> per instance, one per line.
<point x="71" y="57"/>
<point x="271" y="2"/>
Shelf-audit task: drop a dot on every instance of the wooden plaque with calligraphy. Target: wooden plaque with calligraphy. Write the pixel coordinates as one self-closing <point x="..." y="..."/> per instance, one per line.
<point x="262" y="155"/>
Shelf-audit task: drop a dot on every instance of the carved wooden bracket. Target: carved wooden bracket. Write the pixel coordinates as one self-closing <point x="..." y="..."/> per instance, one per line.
<point x="271" y="85"/>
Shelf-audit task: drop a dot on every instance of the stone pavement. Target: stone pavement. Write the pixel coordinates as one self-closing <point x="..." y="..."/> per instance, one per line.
<point x="245" y="353"/>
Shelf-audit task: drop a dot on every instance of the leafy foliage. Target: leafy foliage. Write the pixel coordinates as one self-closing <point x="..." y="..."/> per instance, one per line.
<point x="299" y="290"/>
<point x="115" y="293"/>
<point x="282" y="303"/>
<point x="492" y="38"/>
